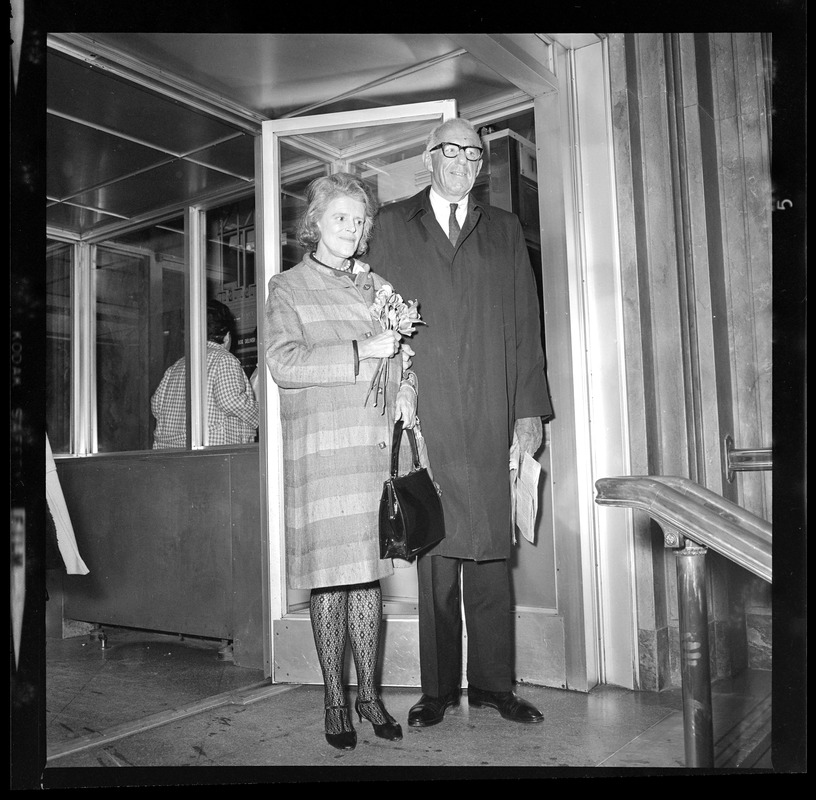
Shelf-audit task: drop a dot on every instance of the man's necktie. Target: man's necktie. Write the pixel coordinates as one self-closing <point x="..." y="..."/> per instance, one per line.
<point x="453" y="224"/>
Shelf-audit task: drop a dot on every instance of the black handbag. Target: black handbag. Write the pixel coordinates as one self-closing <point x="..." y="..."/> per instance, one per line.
<point x="411" y="518"/>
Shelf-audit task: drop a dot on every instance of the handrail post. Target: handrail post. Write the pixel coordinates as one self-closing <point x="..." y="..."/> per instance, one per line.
<point x="692" y="600"/>
<point x="694" y="519"/>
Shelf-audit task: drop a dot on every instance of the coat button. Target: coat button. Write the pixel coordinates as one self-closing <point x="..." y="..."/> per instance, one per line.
<point x="382" y="445"/>
<point x="366" y="286"/>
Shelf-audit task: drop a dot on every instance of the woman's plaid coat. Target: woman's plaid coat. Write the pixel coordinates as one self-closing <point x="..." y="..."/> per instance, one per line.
<point x="336" y="450"/>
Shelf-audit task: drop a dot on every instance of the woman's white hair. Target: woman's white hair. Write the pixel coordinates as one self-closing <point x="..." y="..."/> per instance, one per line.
<point x="321" y="191"/>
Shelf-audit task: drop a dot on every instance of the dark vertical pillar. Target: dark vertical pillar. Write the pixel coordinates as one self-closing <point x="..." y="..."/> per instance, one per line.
<point x="27" y="397"/>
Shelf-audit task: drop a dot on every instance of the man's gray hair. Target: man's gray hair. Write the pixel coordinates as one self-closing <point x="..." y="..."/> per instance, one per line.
<point x="437" y="134"/>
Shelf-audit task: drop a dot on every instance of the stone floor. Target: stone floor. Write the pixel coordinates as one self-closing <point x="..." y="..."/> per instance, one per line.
<point x="152" y="709"/>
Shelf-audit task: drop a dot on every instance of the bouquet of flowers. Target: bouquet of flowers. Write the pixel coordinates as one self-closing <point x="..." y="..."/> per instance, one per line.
<point x="393" y="314"/>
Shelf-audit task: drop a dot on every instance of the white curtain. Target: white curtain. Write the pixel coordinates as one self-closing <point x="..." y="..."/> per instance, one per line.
<point x="66" y="540"/>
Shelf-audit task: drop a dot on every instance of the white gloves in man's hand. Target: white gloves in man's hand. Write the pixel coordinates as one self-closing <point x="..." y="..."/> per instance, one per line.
<point x="529" y="433"/>
<point x="407" y="403"/>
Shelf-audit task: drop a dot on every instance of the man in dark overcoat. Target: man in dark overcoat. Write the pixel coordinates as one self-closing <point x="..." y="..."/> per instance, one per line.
<point x="480" y="365"/>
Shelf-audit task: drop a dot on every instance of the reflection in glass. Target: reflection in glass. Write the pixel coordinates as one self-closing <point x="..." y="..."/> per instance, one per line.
<point x="299" y="167"/>
<point x="230" y="267"/>
<point x="140" y="329"/>
<point x="388" y="158"/>
<point x="58" y="270"/>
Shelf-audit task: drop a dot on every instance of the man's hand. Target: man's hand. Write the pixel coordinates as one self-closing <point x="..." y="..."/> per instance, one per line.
<point x="406" y="405"/>
<point x="529" y="432"/>
<point x="407" y="352"/>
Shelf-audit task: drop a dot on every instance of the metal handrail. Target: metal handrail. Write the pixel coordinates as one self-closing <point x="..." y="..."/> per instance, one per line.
<point x="757" y="459"/>
<point x="697" y="513"/>
<point x="694" y="519"/>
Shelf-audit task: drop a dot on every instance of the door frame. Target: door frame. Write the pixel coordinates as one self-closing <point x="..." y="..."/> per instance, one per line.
<point x="583" y="308"/>
<point x="592" y="636"/>
<point x="400" y="635"/>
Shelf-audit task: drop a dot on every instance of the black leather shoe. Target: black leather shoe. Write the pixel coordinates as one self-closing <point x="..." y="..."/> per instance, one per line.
<point x="431" y="710"/>
<point x="346" y="737"/>
<point x="373" y="710"/>
<point x="508" y="704"/>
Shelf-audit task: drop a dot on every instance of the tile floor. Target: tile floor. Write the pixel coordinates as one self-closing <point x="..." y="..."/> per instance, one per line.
<point x="153" y="709"/>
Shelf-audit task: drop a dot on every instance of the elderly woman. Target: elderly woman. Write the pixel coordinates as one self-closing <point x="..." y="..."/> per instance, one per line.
<point x="323" y="348"/>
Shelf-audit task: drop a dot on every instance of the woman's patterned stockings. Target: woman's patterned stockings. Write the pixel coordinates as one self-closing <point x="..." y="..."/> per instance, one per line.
<point x="356" y="612"/>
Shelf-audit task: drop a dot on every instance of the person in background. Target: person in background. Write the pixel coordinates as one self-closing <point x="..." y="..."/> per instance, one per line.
<point x="232" y="409"/>
<point x="483" y="383"/>
<point x="323" y="347"/>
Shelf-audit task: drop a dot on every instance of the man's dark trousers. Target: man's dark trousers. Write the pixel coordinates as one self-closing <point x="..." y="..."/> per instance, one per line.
<point x="486" y="592"/>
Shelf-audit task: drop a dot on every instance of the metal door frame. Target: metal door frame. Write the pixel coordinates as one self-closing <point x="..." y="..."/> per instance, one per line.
<point x="591" y="637"/>
<point x="400" y="631"/>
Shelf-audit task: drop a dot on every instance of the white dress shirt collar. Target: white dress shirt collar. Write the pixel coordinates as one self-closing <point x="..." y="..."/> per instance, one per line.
<point x="441" y="209"/>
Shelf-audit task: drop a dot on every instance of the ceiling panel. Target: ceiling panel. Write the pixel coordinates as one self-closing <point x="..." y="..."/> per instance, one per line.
<point x="234" y="157"/>
<point x="142" y="122"/>
<point x="80" y="157"/>
<point x="463" y="78"/>
<point x="68" y="218"/>
<point x="117" y="150"/>
<point x="173" y="183"/>
<point x="101" y="99"/>
<point x="277" y="73"/>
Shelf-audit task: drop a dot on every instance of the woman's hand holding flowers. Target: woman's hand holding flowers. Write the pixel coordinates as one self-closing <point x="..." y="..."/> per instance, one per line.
<point x="383" y="345"/>
<point x="398" y="318"/>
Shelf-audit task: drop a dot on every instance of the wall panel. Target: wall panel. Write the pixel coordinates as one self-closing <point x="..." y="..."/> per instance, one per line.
<point x="164" y="536"/>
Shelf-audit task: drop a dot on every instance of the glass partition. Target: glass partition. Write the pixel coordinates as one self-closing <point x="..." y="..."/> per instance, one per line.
<point x="230" y="268"/>
<point x="58" y="344"/>
<point x="386" y="153"/>
<point x="139" y="287"/>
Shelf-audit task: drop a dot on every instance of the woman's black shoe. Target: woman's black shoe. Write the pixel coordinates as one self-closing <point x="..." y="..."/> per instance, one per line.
<point x="338" y="717"/>
<point x="389" y="729"/>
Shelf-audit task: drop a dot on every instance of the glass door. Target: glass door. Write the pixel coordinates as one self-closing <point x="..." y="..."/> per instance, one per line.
<point x="384" y="147"/>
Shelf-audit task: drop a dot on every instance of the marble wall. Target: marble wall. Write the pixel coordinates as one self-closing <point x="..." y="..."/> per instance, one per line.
<point x="692" y="158"/>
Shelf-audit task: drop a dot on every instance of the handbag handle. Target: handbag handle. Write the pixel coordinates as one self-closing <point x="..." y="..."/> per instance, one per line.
<point x="395" y="446"/>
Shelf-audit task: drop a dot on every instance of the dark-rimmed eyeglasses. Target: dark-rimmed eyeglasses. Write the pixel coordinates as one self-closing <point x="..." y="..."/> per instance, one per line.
<point x="451" y="150"/>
